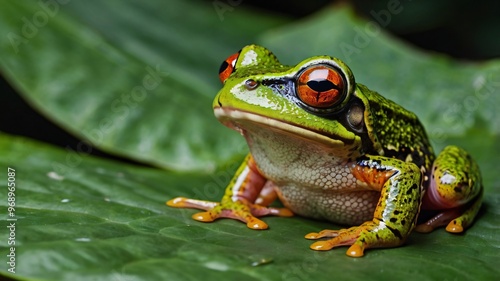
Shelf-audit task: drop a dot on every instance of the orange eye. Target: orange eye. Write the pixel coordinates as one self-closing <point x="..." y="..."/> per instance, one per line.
<point x="320" y="86"/>
<point x="227" y="67"/>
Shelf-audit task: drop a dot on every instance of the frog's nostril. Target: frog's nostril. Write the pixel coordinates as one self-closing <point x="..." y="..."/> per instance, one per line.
<point x="251" y="84"/>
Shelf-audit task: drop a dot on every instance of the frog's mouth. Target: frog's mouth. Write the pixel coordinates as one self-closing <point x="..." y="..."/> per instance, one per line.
<point x="240" y="120"/>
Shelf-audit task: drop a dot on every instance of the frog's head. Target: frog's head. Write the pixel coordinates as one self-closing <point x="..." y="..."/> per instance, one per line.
<point x="312" y="100"/>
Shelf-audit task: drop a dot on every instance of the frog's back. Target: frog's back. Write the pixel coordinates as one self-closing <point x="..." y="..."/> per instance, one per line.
<point x="395" y="131"/>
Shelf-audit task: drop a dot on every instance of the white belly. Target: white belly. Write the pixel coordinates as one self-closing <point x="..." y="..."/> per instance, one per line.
<point x="311" y="179"/>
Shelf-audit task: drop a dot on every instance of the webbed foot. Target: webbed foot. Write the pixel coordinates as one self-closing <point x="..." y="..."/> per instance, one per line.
<point x="240" y="210"/>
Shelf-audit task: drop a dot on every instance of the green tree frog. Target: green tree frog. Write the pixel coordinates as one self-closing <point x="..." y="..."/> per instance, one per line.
<point x="330" y="148"/>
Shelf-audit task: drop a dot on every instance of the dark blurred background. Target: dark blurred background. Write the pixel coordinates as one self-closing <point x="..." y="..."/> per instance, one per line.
<point x="463" y="29"/>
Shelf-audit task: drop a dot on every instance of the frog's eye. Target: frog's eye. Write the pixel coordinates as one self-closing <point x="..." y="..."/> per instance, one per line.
<point x="227" y="67"/>
<point x="320" y="86"/>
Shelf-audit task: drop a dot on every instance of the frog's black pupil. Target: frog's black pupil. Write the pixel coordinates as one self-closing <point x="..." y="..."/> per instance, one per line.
<point x="321" y="86"/>
<point x="223" y="66"/>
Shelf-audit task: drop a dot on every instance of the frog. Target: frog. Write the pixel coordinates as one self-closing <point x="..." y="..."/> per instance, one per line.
<point x="331" y="149"/>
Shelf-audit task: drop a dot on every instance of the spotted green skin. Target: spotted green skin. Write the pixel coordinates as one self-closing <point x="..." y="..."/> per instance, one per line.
<point x="374" y="176"/>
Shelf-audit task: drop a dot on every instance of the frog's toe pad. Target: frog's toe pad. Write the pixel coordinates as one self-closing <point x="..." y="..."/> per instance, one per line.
<point x="204" y="217"/>
<point x="177" y="202"/>
<point x="257" y="224"/>
<point x="355" y="251"/>
<point x="322" y="234"/>
<point x="454" y="227"/>
<point x="312" y="236"/>
<point x="282" y="212"/>
<point x="321" y="246"/>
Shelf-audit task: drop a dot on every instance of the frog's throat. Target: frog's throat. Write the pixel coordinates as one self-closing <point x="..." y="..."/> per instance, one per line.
<point x="231" y="118"/>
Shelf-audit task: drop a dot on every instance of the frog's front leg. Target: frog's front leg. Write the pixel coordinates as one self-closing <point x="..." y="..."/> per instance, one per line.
<point x="455" y="190"/>
<point x="399" y="184"/>
<point x="238" y="201"/>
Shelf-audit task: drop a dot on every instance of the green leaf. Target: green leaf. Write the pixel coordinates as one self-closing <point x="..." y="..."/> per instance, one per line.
<point x="138" y="82"/>
<point x="83" y="218"/>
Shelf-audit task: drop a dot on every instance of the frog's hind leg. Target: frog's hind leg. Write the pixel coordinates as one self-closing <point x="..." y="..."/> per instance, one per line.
<point x="455" y="191"/>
